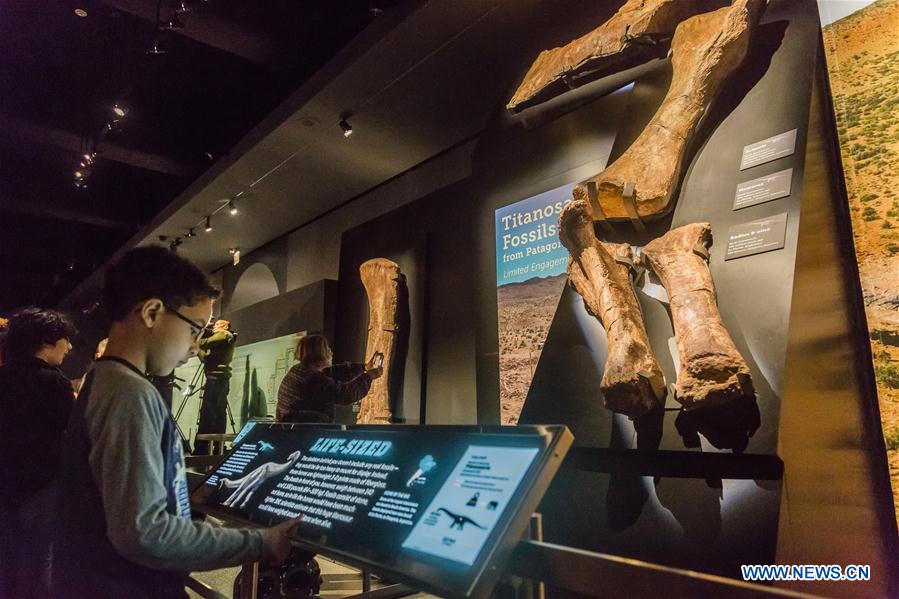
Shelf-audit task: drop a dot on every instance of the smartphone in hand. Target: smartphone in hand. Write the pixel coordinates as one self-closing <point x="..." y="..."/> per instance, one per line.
<point x="377" y="361"/>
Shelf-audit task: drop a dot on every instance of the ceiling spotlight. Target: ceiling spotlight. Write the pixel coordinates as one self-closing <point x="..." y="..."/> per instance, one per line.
<point x="79" y="175"/>
<point x="82" y="165"/>
<point x="118" y="110"/>
<point x="208" y="226"/>
<point x="190" y="233"/>
<point x="157" y="48"/>
<point x="232" y="208"/>
<point x="89" y="158"/>
<point x="375" y="11"/>
<point x="233" y="251"/>
<point x="346" y="128"/>
<point x="235" y="255"/>
<point x="80" y="184"/>
<point x="173" y="23"/>
<point x="183" y="6"/>
<point x="81" y="12"/>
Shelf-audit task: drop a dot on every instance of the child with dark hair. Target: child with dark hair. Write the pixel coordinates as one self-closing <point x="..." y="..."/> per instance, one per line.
<point x="35" y="403"/>
<point x="124" y="525"/>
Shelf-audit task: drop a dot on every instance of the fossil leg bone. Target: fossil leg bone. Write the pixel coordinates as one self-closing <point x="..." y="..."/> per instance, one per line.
<point x="706" y="50"/>
<point x="712" y="371"/>
<point x="632" y="381"/>
<point x="597" y="50"/>
<point x="381" y="279"/>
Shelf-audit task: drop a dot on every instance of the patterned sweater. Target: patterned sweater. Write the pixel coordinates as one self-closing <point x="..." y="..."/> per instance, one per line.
<point x="309" y="395"/>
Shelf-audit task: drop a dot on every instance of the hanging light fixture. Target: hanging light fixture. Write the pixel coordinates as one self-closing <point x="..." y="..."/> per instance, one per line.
<point x="119" y="111"/>
<point x="157" y="48"/>
<point x="174" y="23"/>
<point x="232" y="207"/>
<point x="208" y="227"/>
<point x="346" y="127"/>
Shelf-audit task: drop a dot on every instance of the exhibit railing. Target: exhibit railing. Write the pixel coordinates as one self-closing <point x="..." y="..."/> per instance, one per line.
<point x="598" y="575"/>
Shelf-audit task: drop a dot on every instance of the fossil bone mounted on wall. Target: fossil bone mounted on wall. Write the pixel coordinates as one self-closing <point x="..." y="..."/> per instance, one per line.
<point x="632" y="381"/>
<point x="706" y="50"/>
<point x="712" y="371"/>
<point x="382" y="279"/>
<point x="636" y="24"/>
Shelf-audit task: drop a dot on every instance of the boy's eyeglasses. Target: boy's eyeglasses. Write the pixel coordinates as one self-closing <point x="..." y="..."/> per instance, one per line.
<point x="199" y="328"/>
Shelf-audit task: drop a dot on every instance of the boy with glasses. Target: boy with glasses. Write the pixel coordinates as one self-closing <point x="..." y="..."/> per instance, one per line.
<point x="124" y="518"/>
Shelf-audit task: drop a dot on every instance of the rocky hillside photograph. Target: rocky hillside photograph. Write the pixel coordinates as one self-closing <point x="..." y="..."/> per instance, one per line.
<point x="862" y="51"/>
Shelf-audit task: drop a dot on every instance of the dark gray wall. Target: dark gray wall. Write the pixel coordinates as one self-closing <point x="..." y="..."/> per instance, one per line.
<point x="429" y="239"/>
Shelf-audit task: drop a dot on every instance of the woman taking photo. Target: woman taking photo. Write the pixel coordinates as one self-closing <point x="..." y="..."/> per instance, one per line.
<point x="309" y="393"/>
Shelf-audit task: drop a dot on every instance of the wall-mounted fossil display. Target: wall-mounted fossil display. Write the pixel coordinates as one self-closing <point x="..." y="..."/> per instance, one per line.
<point x="382" y="279"/>
<point x="636" y="24"/>
<point x="632" y="381"/>
<point x="712" y="371"/>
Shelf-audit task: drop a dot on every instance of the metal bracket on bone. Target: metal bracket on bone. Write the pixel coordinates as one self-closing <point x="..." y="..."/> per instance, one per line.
<point x="394" y="328"/>
<point x="635" y="269"/>
<point x="596" y="209"/>
<point x="627" y="197"/>
<point x="701" y="251"/>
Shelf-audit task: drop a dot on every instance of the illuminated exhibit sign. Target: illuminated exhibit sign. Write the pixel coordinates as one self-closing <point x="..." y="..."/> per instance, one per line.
<point x="530" y="277"/>
<point x="431" y="503"/>
<point x="459" y="519"/>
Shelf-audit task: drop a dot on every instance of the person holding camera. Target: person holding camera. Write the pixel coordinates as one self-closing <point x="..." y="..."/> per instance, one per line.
<point x="310" y="390"/>
<point x="216" y="350"/>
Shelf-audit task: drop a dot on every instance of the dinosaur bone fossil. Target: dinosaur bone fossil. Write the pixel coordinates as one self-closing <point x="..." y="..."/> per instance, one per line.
<point x="632" y="381"/>
<point x="637" y="23"/>
<point x="381" y="279"/>
<point x="712" y="371"/>
<point x="706" y="50"/>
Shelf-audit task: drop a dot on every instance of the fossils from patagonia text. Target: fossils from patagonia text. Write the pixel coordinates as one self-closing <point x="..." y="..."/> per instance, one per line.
<point x="381" y="279"/>
<point x="636" y="24"/>
<point x="632" y="381"/>
<point x="706" y="50"/>
<point x="712" y="371"/>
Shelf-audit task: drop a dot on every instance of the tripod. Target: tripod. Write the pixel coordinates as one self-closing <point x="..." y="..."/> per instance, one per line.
<point x="190" y="391"/>
<point x="197" y="383"/>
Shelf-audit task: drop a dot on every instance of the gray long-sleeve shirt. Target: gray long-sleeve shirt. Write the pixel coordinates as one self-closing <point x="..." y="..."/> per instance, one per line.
<point x="124" y="497"/>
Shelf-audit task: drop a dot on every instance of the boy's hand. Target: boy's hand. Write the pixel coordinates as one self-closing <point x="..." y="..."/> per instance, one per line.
<point x="278" y="539"/>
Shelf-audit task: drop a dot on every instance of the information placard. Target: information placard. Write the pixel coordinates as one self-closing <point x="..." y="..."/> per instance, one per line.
<point x="764" y="189"/>
<point x="433" y="505"/>
<point x="756" y="237"/>
<point x="773" y="148"/>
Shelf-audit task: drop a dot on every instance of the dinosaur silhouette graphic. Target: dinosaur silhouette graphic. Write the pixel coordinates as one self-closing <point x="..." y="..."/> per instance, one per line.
<point x="459" y="521"/>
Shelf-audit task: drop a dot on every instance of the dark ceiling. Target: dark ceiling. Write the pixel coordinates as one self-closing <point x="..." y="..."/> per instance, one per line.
<point x="230" y="66"/>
